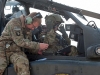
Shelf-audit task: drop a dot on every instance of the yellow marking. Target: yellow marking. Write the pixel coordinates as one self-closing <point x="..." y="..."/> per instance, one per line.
<point x="62" y="74"/>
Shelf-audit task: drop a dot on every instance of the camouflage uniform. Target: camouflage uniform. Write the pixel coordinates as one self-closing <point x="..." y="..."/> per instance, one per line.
<point x="51" y="36"/>
<point x="14" y="37"/>
<point x="51" y="39"/>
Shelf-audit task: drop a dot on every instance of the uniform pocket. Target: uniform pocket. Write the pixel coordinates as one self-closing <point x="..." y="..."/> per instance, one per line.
<point x="14" y="47"/>
<point x="2" y="44"/>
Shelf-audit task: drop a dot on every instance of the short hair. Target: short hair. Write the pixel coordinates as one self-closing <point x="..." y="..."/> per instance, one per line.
<point x="32" y="15"/>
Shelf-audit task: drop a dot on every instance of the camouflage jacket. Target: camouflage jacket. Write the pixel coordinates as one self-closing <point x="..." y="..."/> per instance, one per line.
<point x="19" y="34"/>
<point x="52" y="40"/>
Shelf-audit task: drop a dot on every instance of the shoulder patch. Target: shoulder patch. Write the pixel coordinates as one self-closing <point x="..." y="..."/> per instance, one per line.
<point x="17" y="28"/>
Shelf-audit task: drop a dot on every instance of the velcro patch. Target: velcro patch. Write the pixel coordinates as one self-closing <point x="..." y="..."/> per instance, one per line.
<point x="17" y="30"/>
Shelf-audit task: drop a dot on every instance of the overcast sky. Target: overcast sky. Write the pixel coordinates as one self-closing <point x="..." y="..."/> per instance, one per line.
<point x="90" y="5"/>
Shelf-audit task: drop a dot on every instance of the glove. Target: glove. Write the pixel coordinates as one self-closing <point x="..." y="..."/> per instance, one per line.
<point x="63" y="31"/>
<point x="61" y="28"/>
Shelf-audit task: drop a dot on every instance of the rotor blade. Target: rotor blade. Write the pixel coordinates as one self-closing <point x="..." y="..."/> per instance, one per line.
<point x="91" y="14"/>
<point x="65" y="7"/>
<point x="40" y="4"/>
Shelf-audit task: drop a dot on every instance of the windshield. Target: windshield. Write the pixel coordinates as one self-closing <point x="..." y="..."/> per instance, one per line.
<point x="80" y="18"/>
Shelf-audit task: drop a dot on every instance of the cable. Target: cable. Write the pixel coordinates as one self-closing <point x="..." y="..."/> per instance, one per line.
<point x="94" y="26"/>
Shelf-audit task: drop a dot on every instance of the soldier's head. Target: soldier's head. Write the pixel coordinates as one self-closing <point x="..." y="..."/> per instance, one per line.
<point x="53" y="21"/>
<point x="33" y="20"/>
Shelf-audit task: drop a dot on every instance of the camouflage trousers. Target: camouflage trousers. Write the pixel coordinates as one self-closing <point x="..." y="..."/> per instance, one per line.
<point x="17" y="58"/>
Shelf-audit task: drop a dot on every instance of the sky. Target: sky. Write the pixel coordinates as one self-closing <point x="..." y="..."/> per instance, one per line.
<point x="91" y="5"/>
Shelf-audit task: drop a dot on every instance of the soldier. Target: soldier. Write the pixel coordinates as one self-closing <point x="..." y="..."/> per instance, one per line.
<point x="15" y="37"/>
<point x="55" y="41"/>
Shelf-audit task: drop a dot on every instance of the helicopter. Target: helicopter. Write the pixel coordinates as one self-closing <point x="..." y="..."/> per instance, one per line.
<point x="87" y="36"/>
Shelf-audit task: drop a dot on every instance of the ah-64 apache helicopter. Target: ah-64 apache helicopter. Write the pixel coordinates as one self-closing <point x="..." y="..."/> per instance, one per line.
<point x="87" y="36"/>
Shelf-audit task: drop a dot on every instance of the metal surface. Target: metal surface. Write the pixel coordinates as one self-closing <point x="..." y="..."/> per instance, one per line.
<point x="91" y="14"/>
<point x="67" y="67"/>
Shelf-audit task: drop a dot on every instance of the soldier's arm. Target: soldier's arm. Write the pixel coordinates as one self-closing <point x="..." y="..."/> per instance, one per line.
<point x="68" y="40"/>
<point x="18" y="37"/>
<point x="50" y="37"/>
<point x="64" y="34"/>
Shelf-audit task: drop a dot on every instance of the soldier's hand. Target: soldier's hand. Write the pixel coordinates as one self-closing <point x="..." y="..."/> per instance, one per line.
<point x="40" y="52"/>
<point x="63" y="31"/>
<point x="43" y="46"/>
<point x="61" y="28"/>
